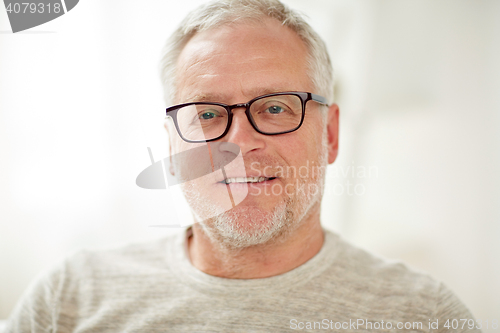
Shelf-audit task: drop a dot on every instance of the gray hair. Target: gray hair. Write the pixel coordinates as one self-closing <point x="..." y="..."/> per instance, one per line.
<point x="221" y="12"/>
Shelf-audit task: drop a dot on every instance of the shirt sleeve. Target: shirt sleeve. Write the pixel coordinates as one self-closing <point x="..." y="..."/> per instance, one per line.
<point x="451" y="312"/>
<point x="37" y="310"/>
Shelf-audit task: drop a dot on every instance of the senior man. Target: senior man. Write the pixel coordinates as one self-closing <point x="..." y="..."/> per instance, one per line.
<point x="250" y="75"/>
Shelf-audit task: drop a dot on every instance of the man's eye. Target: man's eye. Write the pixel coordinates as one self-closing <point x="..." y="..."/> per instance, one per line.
<point x="207" y="115"/>
<point x="275" y="109"/>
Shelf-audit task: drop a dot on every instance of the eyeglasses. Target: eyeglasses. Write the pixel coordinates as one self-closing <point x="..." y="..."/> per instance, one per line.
<point x="270" y="114"/>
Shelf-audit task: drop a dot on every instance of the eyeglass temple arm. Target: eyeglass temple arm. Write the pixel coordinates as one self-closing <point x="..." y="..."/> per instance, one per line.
<point x="319" y="99"/>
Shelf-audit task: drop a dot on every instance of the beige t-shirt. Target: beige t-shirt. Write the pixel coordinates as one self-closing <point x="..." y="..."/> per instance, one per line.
<point x="153" y="287"/>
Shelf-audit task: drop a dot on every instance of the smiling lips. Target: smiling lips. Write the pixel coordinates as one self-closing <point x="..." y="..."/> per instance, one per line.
<point x="246" y="180"/>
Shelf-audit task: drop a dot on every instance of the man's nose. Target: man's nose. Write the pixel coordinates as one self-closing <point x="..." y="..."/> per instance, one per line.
<point x="243" y="134"/>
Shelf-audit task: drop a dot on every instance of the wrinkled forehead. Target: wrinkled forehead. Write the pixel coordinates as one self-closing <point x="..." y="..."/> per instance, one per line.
<point x="245" y="58"/>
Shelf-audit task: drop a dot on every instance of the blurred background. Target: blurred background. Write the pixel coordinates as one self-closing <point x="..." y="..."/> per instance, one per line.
<point x="417" y="178"/>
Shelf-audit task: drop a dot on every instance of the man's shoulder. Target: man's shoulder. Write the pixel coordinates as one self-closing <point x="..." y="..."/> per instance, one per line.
<point x="369" y="285"/>
<point x="138" y="256"/>
<point x="366" y="270"/>
<point x="89" y="285"/>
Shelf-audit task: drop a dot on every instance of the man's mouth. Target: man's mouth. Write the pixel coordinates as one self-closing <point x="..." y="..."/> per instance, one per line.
<point x="239" y="180"/>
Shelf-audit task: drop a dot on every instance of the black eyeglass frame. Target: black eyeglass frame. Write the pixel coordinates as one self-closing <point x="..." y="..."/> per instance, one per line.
<point x="304" y="98"/>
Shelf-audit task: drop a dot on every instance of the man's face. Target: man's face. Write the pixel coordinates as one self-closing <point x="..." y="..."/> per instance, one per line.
<point x="234" y="64"/>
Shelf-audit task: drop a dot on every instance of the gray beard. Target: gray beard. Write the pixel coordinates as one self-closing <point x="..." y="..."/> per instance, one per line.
<point x="244" y="227"/>
<point x="248" y="227"/>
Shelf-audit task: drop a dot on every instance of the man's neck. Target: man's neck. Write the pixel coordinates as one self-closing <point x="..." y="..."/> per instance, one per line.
<point x="259" y="261"/>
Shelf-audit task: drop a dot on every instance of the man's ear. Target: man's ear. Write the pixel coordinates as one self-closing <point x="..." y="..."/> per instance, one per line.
<point x="332" y="129"/>
<point x="171" y="164"/>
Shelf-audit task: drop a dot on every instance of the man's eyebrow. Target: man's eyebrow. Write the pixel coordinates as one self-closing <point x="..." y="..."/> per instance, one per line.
<point x="206" y="98"/>
<point x="223" y="98"/>
<point x="265" y="91"/>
